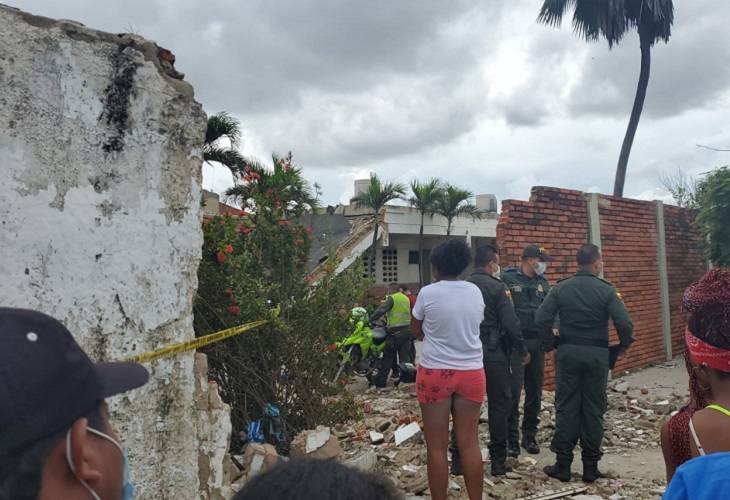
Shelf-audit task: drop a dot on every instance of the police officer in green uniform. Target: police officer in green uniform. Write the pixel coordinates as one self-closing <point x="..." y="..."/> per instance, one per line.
<point x="585" y="302"/>
<point x="528" y="287"/>
<point x="500" y="334"/>
<point x="397" y="309"/>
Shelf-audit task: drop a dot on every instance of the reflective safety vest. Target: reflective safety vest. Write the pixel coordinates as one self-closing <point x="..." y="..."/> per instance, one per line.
<point x="400" y="313"/>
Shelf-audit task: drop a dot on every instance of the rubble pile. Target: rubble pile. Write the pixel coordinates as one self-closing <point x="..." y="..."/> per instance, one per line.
<point x="389" y="441"/>
<point x="632" y="427"/>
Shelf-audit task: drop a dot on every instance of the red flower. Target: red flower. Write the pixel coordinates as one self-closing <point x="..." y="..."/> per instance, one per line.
<point x="246" y="230"/>
<point x="228" y="290"/>
<point x="229" y="249"/>
<point x="247" y="178"/>
<point x="221" y="257"/>
<point x="310" y="230"/>
<point x="299" y="242"/>
<point x="284" y="223"/>
<point x="333" y="347"/>
<point x="309" y="278"/>
<point x="269" y="192"/>
<point x="255" y="175"/>
<point x="239" y="227"/>
<point x="234" y="309"/>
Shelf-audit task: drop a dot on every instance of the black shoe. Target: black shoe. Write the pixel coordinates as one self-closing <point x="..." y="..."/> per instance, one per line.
<point x="559" y="471"/>
<point x="456" y="469"/>
<point x="500" y="469"/>
<point x="530" y="445"/>
<point x="513" y="450"/>
<point x="591" y="472"/>
<point x="396" y="374"/>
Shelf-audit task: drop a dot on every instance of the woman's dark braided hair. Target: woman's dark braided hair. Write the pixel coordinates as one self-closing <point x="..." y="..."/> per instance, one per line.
<point x="451" y="257"/>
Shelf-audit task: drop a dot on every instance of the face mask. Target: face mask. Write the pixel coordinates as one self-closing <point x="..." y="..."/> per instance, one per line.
<point x="541" y="268"/>
<point x="127" y="489"/>
<point x="496" y="273"/>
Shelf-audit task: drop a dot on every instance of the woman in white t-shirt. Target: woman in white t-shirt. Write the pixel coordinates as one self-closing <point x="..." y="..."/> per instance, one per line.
<point x="450" y="378"/>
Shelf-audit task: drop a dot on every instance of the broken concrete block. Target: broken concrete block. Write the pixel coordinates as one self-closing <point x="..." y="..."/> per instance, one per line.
<point x="621" y="387"/>
<point x="406" y="432"/>
<point x="258" y="457"/>
<point x="318" y="443"/>
<point x="376" y="437"/>
<point x="366" y="461"/>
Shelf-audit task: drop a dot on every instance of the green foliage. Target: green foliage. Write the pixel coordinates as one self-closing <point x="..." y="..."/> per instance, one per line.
<point x="426" y="195"/>
<point x="252" y="263"/>
<point x="454" y="203"/>
<point x="220" y="126"/>
<point x="713" y="194"/>
<point x="612" y="19"/>
<point x="374" y="198"/>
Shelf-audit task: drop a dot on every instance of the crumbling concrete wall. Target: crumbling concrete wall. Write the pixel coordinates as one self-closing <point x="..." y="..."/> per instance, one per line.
<point x="100" y="153"/>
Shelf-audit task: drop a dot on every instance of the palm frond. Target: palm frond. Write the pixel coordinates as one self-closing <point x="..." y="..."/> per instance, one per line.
<point x="223" y="125"/>
<point x="455" y="203"/>
<point x="378" y="194"/>
<point x="426" y="195"/>
<point x="231" y="158"/>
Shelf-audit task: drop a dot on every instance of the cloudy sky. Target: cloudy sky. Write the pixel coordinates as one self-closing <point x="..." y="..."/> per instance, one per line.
<point x="471" y="91"/>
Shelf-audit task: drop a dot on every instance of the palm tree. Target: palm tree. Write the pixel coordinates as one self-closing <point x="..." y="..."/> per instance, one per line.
<point x="425" y="199"/>
<point x="454" y="203"/>
<point x="285" y="181"/>
<point x="222" y="125"/>
<point x="374" y="198"/>
<point x="612" y="19"/>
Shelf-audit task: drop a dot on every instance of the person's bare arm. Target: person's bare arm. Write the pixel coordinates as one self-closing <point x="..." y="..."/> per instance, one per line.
<point x="664" y="441"/>
<point x="417" y="328"/>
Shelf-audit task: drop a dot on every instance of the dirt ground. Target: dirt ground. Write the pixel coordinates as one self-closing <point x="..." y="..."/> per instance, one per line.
<point x="638" y="403"/>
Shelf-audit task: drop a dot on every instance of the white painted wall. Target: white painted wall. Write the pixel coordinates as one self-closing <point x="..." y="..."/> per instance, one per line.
<point x="108" y="243"/>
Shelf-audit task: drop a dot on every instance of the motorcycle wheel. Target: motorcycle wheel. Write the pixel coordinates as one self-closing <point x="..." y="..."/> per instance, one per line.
<point x="347" y="368"/>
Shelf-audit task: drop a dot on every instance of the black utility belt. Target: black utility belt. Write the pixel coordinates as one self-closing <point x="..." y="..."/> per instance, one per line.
<point x="562" y="340"/>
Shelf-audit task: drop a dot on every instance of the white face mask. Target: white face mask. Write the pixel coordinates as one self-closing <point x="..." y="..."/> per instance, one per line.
<point x="541" y="268"/>
<point x="497" y="272"/>
<point x="128" y="488"/>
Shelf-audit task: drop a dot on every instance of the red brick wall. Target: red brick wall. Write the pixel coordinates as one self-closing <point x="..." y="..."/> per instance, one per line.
<point x="631" y="263"/>
<point x="685" y="264"/>
<point x="558" y="220"/>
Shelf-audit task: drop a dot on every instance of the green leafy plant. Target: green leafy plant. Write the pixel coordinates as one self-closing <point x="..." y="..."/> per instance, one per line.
<point x="713" y="194"/>
<point x="251" y="264"/>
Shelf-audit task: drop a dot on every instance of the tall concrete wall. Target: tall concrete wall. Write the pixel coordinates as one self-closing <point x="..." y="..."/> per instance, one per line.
<point x="100" y="153"/>
<point x="633" y="236"/>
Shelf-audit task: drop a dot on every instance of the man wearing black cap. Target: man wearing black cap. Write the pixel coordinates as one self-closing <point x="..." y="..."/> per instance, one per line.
<point x="528" y="287"/>
<point x="55" y="437"/>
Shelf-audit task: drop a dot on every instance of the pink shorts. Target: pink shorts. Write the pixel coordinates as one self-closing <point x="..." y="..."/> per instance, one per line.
<point x="436" y="385"/>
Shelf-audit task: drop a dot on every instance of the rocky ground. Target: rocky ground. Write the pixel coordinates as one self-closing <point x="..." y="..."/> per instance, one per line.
<point x="633" y="464"/>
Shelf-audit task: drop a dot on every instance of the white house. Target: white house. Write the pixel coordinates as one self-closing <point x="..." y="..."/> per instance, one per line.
<point x="349" y="232"/>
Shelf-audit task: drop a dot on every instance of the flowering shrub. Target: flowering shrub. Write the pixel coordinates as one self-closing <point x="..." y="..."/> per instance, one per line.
<point x="251" y="264"/>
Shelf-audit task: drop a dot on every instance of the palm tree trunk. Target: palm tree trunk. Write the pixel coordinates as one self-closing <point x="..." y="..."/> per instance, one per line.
<point x="448" y="228"/>
<point x="371" y="264"/>
<point x="623" y="159"/>
<point x="420" y="252"/>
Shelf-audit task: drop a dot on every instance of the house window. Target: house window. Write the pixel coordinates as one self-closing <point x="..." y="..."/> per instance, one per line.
<point x="413" y="257"/>
<point x="390" y="264"/>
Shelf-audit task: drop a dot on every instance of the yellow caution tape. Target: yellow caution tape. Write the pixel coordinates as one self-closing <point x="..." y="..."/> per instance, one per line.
<point x="199" y="342"/>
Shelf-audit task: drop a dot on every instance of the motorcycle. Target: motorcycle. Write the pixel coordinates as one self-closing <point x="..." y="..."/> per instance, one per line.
<point x="362" y="350"/>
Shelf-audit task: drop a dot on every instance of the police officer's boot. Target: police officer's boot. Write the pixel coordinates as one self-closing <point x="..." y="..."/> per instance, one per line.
<point x="529" y="443"/>
<point x="513" y="449"/>
<point x="591" y="472"/>
<point x="560" y="471"/>
<point x="500" y="468"/>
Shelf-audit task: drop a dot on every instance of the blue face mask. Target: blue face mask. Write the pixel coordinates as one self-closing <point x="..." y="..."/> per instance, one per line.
<point x="127" y="489"/>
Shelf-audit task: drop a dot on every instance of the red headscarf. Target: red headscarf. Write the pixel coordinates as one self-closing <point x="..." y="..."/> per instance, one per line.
<point x="708" y="334"/>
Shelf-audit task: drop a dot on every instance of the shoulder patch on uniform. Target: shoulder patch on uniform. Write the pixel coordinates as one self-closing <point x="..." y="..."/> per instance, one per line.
<point x="508" y="293"/>
<point x="618" y="294"/>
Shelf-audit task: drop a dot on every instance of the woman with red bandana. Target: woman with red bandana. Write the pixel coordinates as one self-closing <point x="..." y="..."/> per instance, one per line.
<point x="703" y="426"/>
